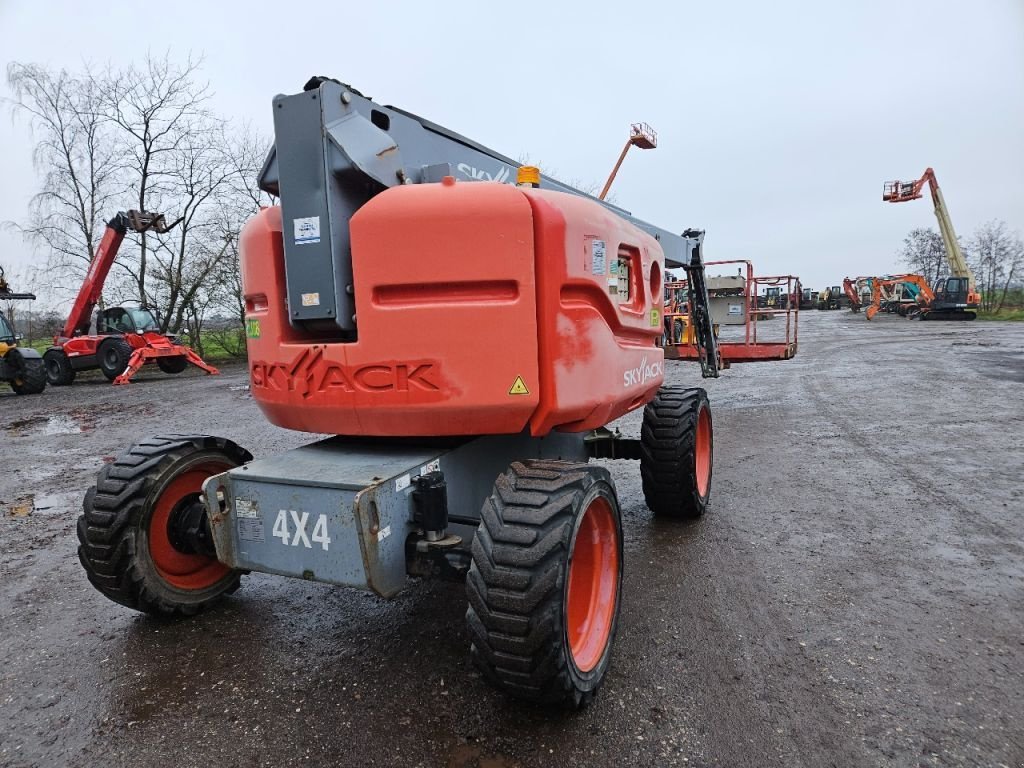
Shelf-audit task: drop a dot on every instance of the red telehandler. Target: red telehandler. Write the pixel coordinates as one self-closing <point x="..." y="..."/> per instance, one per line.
<point x="123" y="338"/>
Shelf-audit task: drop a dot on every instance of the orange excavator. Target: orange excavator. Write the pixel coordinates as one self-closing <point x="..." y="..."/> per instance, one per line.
<point x="925" y="295"/>
<point x="953" y="297"/>
<point x="850" y="288"/>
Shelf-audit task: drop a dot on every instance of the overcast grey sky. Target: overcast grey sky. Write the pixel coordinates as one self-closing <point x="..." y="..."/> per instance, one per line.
<point x="777" y="121"/>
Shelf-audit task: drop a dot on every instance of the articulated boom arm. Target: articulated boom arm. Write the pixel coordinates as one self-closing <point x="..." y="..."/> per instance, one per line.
<point x="92" y="287"/>
<point x="334" y="150"/>
<point x="903" y="191"/>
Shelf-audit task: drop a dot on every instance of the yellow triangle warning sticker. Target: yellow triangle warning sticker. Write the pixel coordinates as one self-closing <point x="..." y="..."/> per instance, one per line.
<point x="519" y="387"/>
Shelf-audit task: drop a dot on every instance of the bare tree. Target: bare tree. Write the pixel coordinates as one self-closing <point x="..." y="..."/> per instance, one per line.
<point x="997" y="258"/>
<point x="144" y="134"/>
<point x="77" y="161"/>
<point x="153" y="106"/>
<point x="925" y="253"/>
<point x="188" y="257"/>
<point x="245" y="152"/>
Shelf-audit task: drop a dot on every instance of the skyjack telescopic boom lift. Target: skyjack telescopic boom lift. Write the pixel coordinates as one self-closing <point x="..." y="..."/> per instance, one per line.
<point x="466" y="345"/>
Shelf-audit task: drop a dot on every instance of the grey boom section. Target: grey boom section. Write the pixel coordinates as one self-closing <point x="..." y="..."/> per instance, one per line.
<point x="334" y="149"/>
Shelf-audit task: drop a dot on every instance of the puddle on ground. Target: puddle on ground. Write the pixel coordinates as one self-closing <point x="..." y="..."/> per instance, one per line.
<point x="23" y="506"/>
<point x="44" y="504"/>
<point x="49" y="425"/>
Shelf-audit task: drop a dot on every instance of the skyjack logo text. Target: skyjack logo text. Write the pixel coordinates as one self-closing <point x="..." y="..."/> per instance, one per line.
<point x="502" y="175"/>
<point x="643" y="373"/>
<point x="310" y="374"/>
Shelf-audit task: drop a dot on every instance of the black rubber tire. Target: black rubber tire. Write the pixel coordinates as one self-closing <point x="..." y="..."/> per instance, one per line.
<point x="113" y="531"/>
<point x="113" y="354"/>
<point x="518" y="581"/>
<point x="29" y="377"/>
<point x="59" y="372"/>
<point x="175" y="364"/>
<point x="668" y="452"/>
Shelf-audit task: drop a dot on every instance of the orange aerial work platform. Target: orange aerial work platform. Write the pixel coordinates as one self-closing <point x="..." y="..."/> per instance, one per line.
<point x="753" y="347"/>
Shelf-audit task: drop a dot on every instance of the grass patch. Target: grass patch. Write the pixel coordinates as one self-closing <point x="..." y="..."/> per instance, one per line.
<point x="214" y="350"/>
<point x="1015" y="314"/>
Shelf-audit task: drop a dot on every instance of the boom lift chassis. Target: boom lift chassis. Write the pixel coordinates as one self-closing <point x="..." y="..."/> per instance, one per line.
<point x="533" y="528"/>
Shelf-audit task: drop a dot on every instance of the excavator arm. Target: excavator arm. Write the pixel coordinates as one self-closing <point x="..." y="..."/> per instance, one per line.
<point x="92" y="287"/>
<point x="850" y="289"/>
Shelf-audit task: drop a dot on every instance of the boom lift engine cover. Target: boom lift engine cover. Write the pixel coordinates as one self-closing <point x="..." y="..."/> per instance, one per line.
<point x="466" y="259"/>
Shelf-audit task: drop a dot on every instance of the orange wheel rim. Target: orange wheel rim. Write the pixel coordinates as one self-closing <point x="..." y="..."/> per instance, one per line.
<point x="181" y="570"/>
<point x="593" y="585"/>
<point x="702" y="452"/>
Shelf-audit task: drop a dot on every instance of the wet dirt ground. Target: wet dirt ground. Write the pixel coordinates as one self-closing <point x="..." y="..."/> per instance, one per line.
<point x="854" y="597"/>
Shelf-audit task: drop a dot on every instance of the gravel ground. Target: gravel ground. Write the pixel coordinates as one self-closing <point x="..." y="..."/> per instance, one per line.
<point x="853" y="597"/>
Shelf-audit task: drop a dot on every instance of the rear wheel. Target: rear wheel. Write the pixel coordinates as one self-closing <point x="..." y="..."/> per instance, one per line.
<point x="144" y="539"/>
<point x="59" y="372"/>
<point x="172" y="364"/>
<point x="677" y="452"/>
<point x="544" y="582"/>
<point x="29" y="375"/>
<point x="113" y="355"/>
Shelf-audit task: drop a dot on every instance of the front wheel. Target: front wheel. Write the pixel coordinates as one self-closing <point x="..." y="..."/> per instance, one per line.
<point x="677" y="452"/>
<point x="113" y="355"/>
<point x="175" y="364"/>
<point x="144" y="538"/>
<point x="29" y="374"/>
<point x="544" y="582"/>
<point x="59" y="372"/>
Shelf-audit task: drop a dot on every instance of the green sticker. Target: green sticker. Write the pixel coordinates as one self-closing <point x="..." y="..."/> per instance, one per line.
<point x="252" y="328"/>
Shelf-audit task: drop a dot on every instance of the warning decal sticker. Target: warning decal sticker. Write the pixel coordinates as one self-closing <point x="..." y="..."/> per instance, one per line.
<point x="307" y="230"/>
<point x="519" y="387"/>
<point x="250" y="529"/>
<point x="252" y="328"/>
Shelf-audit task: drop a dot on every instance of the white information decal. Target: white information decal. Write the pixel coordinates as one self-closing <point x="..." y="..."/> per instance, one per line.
<point x="311" y="299"/>
<point x="246" y="508"/>
<point x="298" y="531"/>
<point x="597" y="257"/>
<point x="735" y="309"/>
<point x="307" y="230"/>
